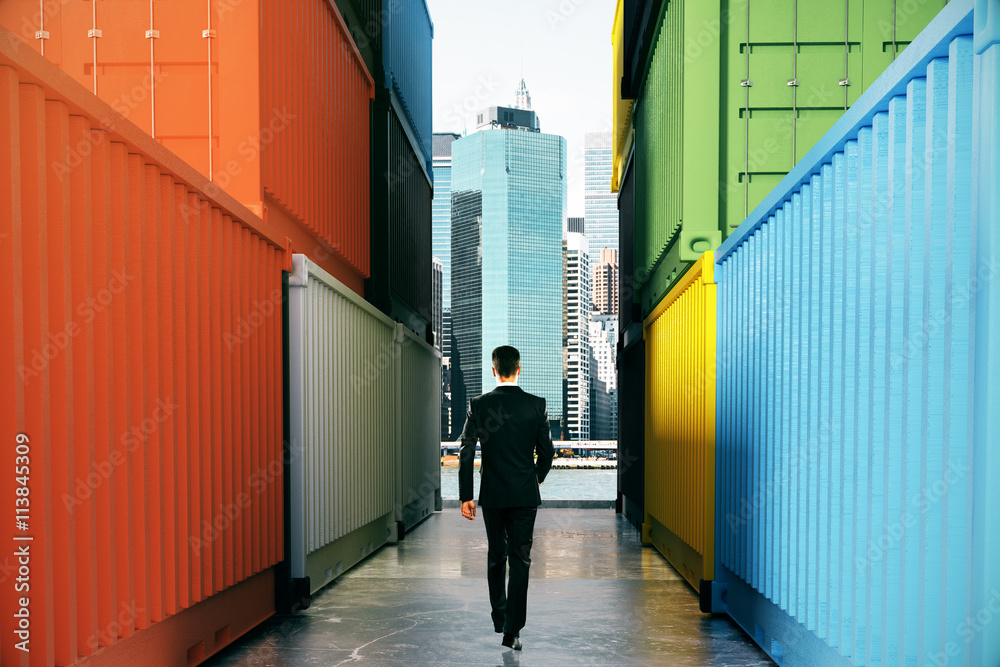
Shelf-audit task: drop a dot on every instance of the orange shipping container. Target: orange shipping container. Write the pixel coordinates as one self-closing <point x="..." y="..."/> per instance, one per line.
<point x="268" y="99"/>
<point x="142" y="337"/>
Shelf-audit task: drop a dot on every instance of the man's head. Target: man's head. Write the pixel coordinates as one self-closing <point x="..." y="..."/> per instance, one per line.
<point x="506" y="363"/>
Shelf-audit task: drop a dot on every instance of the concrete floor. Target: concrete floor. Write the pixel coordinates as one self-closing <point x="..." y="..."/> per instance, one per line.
<point x="596" y="597"/>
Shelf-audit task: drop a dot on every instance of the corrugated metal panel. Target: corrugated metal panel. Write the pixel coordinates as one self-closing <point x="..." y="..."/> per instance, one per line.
<point x="640" y="19"/>
<point x="627" y="292"/>
<point x="343" y="414"/>
<point x="680" y="424"/>
<point x="631" y="421"/>
<point x="409" y="197"/>
<point x="676" y="188"/>
<point x="146" y="380"/>
<point x="364" y="19"/>
<point x="315" y="104"/>
<point x="270" y="100"/>
<point x="986" y="214"/>
<point x="153" y="63"/>
<point x="621" y="108"/>
<point x="406" y="58"/>
<point x="659" y="120"/>
<point x="847" y="377"/>
<point x="733" y="96"/>
<point x="418" y="436"/>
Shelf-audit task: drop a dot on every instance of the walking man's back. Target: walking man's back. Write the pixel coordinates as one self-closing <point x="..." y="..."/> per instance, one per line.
<point x="511" y="425"/>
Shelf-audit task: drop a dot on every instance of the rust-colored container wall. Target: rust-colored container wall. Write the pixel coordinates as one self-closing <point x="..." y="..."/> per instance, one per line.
<point x="316" y="85"/>
<point x="142" y="338"/>
<point x="284" y="131"/>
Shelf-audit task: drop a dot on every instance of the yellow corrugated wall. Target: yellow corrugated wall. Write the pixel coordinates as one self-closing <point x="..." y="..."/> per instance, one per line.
<point x="680" y="423"/>
<point x="621" y="109"/>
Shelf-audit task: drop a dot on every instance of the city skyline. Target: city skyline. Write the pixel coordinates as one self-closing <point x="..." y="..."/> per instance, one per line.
<point x="508" y="207"/>
<point x="474" y="69"/>
<point x="600" y="205"/>
<point x="577" y="307"/>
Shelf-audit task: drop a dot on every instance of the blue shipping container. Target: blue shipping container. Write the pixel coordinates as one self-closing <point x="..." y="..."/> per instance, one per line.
<point x="406" y="58"/>
<point x="859" y="375"/>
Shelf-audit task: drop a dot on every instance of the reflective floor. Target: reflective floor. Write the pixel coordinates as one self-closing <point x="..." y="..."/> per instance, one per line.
<point x="596" y="597"/>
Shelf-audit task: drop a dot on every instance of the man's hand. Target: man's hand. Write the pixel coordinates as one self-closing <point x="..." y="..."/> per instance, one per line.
<point x="469" y="510"/>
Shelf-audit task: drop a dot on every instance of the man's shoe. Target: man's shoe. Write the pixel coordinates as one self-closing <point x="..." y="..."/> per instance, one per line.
<point x="511" y="641"/>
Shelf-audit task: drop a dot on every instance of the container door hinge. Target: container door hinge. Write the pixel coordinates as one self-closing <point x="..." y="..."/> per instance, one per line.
<point x="746" y="83"/>
<point x="844" y="82"/>
<point x="152" y="34"/>
<point x="41" y="34"/>
<point x="94" y="32"/>
<point x="793" y="82"/>
<point x="208" y="34"/>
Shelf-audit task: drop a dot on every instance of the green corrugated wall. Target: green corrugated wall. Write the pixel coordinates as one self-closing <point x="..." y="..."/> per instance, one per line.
<point x="735" y="94"/>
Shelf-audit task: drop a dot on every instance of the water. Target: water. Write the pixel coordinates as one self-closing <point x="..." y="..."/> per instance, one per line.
<point x="558" y="484"/>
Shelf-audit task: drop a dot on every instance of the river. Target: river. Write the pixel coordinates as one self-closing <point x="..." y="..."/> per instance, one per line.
<point x="558" y="485"/>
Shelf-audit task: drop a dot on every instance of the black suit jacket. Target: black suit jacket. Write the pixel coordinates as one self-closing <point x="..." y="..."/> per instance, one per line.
<point x="511" y="425"/>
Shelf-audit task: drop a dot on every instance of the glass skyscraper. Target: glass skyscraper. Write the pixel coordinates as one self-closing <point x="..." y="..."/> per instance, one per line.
<point x="441" y="247"/>
<point x="600" y="206"/>
<point x="508" y="188"/>
<point x="441" y="211"/>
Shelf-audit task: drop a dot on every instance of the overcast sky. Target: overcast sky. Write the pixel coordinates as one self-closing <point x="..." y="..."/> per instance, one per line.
<point x="566" y="46"/>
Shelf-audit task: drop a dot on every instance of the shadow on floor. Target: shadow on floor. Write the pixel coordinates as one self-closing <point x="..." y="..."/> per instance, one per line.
<point x="596" y="597"/>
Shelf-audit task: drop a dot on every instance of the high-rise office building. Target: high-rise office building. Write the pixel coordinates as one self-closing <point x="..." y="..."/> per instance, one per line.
<point x="601" y="411"/>
<point x="600" y="206"/>
<point x="466" y="302"/>
<point x="441" y="216"/>
<point x="446" y="390"/>
<point x="441" y="247"/>
<point x="603" y="339"/>
<point x="574" y="225"/>
<point x="446" y="418"/>
<point x="576" y="281"/>
<point x="605" y="285"/>
<point x="508" y="205"/>
<point x="436" y="311"/>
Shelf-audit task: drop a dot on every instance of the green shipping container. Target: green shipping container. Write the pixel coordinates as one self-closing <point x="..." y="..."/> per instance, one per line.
<point x="735" y="93"/>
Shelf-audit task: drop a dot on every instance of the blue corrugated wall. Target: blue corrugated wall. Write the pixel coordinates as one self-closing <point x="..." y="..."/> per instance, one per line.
<point x="406" y="59"/>
<point x="859" y="337"/>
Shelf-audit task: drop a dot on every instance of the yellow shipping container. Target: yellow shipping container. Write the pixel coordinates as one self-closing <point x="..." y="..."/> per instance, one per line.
<point x="680" y="424"/>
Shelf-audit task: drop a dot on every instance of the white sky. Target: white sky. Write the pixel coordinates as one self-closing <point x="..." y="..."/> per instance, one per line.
<point x="567" y="66"/>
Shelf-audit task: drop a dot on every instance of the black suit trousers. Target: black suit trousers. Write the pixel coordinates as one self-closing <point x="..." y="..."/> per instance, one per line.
<point x="509" y="532"/>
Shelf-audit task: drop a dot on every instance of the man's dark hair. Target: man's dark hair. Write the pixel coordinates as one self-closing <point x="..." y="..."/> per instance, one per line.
<point x="506" y="360"/>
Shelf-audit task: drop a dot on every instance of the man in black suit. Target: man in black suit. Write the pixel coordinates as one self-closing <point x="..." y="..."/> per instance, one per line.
<point x="511" y="425"/>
